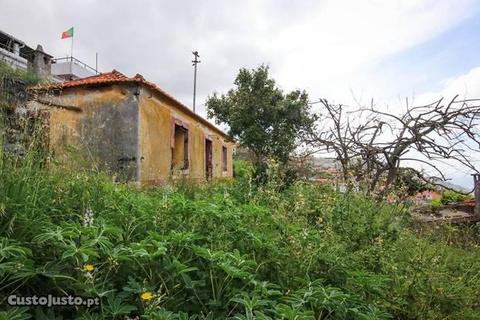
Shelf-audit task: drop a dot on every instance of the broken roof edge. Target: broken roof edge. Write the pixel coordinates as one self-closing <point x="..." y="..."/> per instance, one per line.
<point x="116" y="77"/>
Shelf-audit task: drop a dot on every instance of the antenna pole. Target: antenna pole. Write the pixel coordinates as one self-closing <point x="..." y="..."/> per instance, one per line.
<point x="195" y="62"/>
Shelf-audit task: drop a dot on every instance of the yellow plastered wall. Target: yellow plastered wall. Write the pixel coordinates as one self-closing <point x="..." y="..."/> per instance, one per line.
<point x="155" y="129"/>
<point x="156" y="114"/>
<point x="64" y="128"/>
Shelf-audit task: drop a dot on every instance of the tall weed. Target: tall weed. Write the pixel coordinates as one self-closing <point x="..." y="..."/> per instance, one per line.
<point x="224" y="250"/>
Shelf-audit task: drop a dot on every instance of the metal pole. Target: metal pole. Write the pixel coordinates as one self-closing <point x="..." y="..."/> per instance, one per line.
<point x="71" y="49"/>
<point x="71" y="61"/>
<point x="476" y="181"/>
<point x="195" y="62"/>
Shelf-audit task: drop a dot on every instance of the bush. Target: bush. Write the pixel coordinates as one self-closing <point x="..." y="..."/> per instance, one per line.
<point x="221" y="251"/>
<point x="436" y="205"/>
<point x="450" y="197"/>
<point x="242" y="169"/>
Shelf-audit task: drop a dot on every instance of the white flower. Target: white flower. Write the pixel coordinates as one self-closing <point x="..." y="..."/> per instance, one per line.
<point x="88" y="217"/>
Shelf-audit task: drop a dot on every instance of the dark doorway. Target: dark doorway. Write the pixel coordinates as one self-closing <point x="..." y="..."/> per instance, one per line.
<point x="208" y="159"/>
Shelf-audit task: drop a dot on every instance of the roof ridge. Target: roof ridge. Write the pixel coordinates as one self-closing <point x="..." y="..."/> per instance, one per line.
<point x="103" y="77"/>
<point x="117" y="77"/>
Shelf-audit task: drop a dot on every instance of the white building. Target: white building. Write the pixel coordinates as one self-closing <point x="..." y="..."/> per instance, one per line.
<point x="69" y="68"/>
<point x="20" y="56"/>
<point x="14" y="51"/>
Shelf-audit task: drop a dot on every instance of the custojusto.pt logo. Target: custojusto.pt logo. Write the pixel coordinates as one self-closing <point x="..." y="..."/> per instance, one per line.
<point x="50" y="301"/>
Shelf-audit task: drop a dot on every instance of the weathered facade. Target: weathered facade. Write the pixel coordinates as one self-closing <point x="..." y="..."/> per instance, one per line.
<point x="133" y="129"/>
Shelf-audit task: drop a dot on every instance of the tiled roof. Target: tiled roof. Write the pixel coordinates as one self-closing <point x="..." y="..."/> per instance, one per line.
<point x="118" y="77"/>
<point x="110" y="77"/>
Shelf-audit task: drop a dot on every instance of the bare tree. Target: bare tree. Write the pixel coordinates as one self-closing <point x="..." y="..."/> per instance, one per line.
<point x="371" y="145"/>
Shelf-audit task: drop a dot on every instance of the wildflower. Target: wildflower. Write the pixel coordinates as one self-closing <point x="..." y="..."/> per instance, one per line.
<point x="89" y="267"/>
<point x="88" y="217"/>
<point x="146" y="296"/>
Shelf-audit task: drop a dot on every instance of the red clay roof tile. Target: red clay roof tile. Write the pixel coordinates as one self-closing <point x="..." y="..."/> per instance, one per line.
<point x="114" y="76"/>
<point x="118" y="77"/>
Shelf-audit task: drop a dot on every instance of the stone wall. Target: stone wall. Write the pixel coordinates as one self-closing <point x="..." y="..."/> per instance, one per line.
<point x="21" y="129"/>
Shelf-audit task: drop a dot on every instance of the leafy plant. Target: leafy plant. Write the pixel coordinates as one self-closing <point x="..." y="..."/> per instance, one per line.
<point x="436" y="205"/>
<point x="450" y="196"/>
<point x="225" y="250"/>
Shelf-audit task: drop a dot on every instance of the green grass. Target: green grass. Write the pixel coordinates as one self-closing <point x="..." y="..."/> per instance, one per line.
<point x="224" y="251"/>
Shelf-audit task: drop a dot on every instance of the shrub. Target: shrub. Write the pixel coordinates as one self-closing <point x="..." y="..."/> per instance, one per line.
<point x="436" y="205"/>
<point x="242" y="169"/>
<point x="214" y="251"/>
<point x="449" y="197"/>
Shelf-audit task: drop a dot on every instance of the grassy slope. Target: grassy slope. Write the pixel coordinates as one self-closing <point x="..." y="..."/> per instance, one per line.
<point x="225" y="251"/>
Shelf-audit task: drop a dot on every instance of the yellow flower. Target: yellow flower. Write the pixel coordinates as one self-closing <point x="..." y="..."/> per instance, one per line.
<point x="146" y="296"/>
<point x="89" y="267"/>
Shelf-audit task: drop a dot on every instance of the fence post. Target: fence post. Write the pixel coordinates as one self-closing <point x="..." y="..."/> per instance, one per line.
<point x="476" y="182"/>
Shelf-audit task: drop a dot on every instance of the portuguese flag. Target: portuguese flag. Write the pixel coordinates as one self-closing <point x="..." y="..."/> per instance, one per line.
<point x="68" y="33"/>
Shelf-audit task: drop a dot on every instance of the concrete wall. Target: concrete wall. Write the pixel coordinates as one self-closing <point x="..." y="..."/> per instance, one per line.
<point x="157" y="116"/>
<point x="63" y="68"/>
<point x="13" y="59"/>
<point x="105" y="132"/>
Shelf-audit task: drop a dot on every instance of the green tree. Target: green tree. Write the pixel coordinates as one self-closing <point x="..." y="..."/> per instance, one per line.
<point x="269" y="122"/>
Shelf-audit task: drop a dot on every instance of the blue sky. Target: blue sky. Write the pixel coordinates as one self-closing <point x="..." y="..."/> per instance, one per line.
<point x="448" y="55"/>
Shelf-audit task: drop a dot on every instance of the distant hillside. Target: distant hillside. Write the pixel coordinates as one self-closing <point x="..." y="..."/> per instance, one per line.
<point x="452" y="185"/>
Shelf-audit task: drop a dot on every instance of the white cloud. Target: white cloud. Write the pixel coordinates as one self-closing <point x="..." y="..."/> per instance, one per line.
<point x="335" y="49"/>
<point x="328" y="47"/>
<point x="466" y="86"/>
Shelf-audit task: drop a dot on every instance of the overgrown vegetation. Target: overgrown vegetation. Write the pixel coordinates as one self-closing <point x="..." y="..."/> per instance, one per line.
<point x="435" y="205"/>
<point x="28" y="77"/>
<point x="223" y="251"/>
<point x="226" y="250"/>
<point x="449" y="197"/>
<point x="10" y="77"/>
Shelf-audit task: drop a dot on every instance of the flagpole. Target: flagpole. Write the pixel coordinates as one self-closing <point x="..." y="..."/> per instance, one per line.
<point x="71" y="59"/>
<point x="71" y="49"/>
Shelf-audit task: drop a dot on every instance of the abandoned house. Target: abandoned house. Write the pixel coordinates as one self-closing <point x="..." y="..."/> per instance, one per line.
<point x="133" y="129"/>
